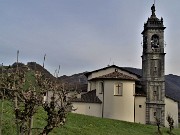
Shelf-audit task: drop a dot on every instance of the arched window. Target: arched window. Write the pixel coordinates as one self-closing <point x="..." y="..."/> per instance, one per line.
<point x="101" y="87"/>
<point x="155" y="41"/>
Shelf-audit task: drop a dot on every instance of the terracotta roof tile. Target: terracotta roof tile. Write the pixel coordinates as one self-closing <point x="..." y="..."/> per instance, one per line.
<point x="116" y="75"/>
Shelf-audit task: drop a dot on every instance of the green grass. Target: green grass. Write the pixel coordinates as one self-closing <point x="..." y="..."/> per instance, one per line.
<point x="83" y="125"/>
<point x="86" y="125"/>
<point x="8" y="119"/>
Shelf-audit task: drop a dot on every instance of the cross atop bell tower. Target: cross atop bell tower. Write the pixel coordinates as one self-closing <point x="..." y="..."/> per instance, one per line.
<point x="153" y="61"/>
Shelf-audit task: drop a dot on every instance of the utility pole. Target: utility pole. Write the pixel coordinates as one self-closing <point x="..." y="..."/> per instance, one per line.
<point x="2" y="102"/>
<point x="44" y="59"/>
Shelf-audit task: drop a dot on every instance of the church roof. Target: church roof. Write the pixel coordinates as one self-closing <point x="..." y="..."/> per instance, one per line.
<point x="89" y="97"/>
<point x="113" y="66"/>
<point x="117" y="75"/>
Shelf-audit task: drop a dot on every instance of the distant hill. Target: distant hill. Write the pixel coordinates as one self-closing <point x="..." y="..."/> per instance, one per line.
<point x="76" y="78"/>
<point x="31" y="65"/>
<point x="172" y="86"/>
<point x="37" y="67"/>
<point x="77" y="82"/>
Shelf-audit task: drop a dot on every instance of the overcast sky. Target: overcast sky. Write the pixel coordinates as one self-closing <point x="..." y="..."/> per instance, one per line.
<point x="84" y="35"/>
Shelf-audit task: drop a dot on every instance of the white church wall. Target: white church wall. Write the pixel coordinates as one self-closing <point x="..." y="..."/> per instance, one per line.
<point x="140" y="109"/>
<point x="91" y="85"/>
<point x="92" y="109"/>
<point x="119" y="107"/>
<point x="171" y="108"/>
<point x="99" y="92"/>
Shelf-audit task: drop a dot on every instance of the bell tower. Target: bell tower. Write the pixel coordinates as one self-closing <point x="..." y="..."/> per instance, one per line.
<point x="153" y="68"/>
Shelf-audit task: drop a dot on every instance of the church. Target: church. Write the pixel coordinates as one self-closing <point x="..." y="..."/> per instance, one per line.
<point x="123" y="94"/>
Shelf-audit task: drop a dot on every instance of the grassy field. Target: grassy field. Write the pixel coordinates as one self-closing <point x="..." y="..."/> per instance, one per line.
<point x="86" y="125"/>
<point x="82" y="125"/>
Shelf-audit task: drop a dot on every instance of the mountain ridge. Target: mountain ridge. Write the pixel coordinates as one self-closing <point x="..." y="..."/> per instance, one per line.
<point x="78" y="82"/>
<point x="172" y="82"/>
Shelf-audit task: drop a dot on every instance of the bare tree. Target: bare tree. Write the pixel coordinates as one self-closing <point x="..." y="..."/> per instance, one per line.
<point x="25" y="95"/>
<point x="14" y="82"/>
<point x="158" y="123"/>
<point x="57" y="108"/>
<point x="27" y="89"/>
<point x="28" y="95"/>
<point x="170" y="120"/>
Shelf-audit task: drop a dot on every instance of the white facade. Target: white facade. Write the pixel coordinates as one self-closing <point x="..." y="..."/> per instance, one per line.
<point x="91" y="109"/>
<point x="118" y="102"/>
<point x="171" y="108"/>
<point x="140" y="109"/>
<point x="115" y="105"/>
